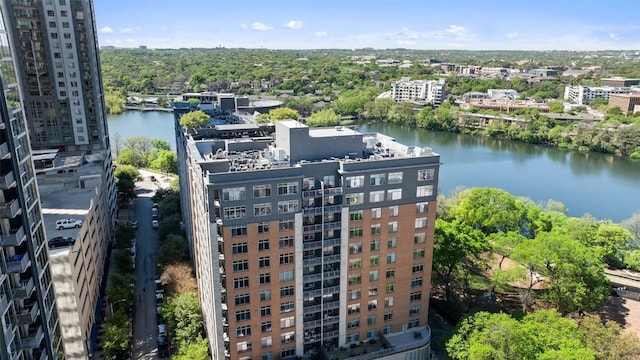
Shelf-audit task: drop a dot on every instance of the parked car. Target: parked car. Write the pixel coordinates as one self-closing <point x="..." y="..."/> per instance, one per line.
<point x="61" y="241"/>
<point x="68" y="224"/>
<point x="134" y="225"/>
<point x="155" y="223"/>
<point x="163" y="346"/>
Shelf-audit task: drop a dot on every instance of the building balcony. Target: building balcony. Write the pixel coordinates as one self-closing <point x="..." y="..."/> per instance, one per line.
<point x="4" y="151"/>
<point x="4" y="304"/>
<point x="28" y="316"/>
<point x="7" y="181"/>
<point x="10" y="209"/>
<point x="24" y="291"/>
<point x="14" y="238"/>
<point x="318" y="227"/>
<point x="317" y="260"/>
<point x="321" y="307"/>
<point x="329" y="320"/>
<point x="33" y="340"/>
<point x="317" y="210"/>
<point x="18" y="263"/>
<point x="327" y="275"/>
<point x="325" y="291"/>
<point x="318" y="192"/>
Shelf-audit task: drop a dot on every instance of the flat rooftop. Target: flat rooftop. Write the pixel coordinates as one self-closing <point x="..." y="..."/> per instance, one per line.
<point x="59" y="202"/>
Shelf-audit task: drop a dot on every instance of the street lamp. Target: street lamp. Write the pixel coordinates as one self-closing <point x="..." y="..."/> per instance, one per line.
<point x="111" y="304"/>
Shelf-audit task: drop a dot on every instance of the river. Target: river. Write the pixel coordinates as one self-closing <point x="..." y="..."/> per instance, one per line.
<point x="602" y="185"/>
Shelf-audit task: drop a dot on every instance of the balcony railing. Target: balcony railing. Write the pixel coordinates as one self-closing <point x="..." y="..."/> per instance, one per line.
<point x="317" y="260"/>
<point x="4" y="150"/>
<point x="14" y="238"/>
<point x="24" y="291"/>
<point x="4" y="304"/>
<point x="9" y="209"/>
<point x="319" y="244"/>
<point x="327" y="275"/>
<point x="7" y="181"/>
<point x="318" y="227"/>
<point x="318" y="192"/>
<point x="33" y="340"/>
<point x="318" y="292"/>
<point x="28" y="316"/>
<point x="326" y="306"/>
<point x="18" y="263"/>
<point x="317" y="210"/>
<point x="316" y="323"/>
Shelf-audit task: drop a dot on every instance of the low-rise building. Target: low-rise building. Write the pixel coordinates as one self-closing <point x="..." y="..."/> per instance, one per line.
<point x="619" y="82"/>
<point x="628" y="103"/>
<point x="584" y="94"/>
<point x="426" y="91"/>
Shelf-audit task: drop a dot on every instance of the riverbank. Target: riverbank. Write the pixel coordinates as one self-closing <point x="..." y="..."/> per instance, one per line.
<point x="147" y="108"/>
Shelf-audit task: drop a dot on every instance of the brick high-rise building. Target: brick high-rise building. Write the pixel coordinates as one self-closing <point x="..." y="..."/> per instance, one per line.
<point x="303" y="237"/>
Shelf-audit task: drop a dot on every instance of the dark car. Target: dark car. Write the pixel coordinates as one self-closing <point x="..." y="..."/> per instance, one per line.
<point x="61" y="241"/>
<point x="163" y="346"/>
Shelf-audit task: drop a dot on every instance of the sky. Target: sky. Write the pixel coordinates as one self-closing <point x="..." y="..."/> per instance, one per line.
<point x="380" y="24"/>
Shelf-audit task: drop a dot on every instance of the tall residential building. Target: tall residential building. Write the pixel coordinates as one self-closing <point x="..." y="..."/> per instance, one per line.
<point x="29" y="326"/>
<point x="303" y="237"/>
<point x="430" y="91"/>
<point x="584" y="94"/>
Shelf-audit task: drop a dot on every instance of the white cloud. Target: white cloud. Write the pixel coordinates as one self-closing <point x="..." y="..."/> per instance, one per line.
<point x="512" y="35"/>
<point x="129" y="30"/>
<point x="320" y="33"/>
<point x="405" y="42"/>
<point x="260" y="26"/>
<point x="244" y="26"/>
<point x="294" y="24"/>
<point x="614" y="36"/>
<point x="106" y="30"/>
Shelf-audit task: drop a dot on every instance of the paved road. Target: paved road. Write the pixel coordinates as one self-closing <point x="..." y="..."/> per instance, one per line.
<point x="145" y="337"/>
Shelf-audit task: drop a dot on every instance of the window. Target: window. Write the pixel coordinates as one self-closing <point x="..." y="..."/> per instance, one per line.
<point x="286" y="291"/>
<point x="388" y="316"/>
<point x="415" y="296"/>
<point x="287" y="322"/>
<point x="286" y="275"/>
<point x="372" y="305"/>
<point x="329" y="181"/>
<point x="355" y="232"/>
<point x="393" y="227"/>
<point x="391" y="273"/>
<point x="286" y="259"/>
<point x="265" y="311"/>
<point x="395" y="178"/>
<point x="373" y="275"/>
<point x="308" y="184"/>
<point x="417" y="268"/>
<point x="374" y="260"/>
<point x="414" y="310"/>
<point x="240" y="248"/>
<point x="353" y="309"/>
<point x="261" y="191"/>
<point x="243" y="315"/>
<point x="287" y="337"/>
<point x="240" y="265"/>
<point x="416" y="282"/>
<point x="375" y="245"/>
<point x="243" y="331"/>
<point x="375" y="229"/>
<point x="419" y="238"/>
<point x="377" y="179"/>
<point x="394" y="210"/>
<point x="354" y="182"/>
<point x="266" y="342"/>
<point x="392" y="242"/>
<point x="289" y="206"/>
<point x="241" y="283"/>
<point x="355" y="263"/>
<point x="233" y="194"/>
<point x="421" y="223"/>
<point x="356" y="215"/>
<point x="288" y="188"/>
<point x="373" y="290"/>
<point x="266" y="326"/>
<point x="266" y="356"/>
<point x="286" y="224"/>
<point x="287" y="353"/>
<point x="265" y="295"/>
<point x="286" y="307"/>
<point x="265" y="279"/>
<point x="418" y="253"/>
<point x="354" y="294"/>
<point x="388" y="301"/>
<point x="262" y="209"/>
<point x="264" y="262"/>
<point x="241" y="299"/>
<point x="235" y="212"/>
<point x="355" y="199"/>
<point x="263" y="228"/>
<point x="413" y="323"/>
<point x="426" y="174"/>
<point x="285" y="242"/>
<point x="243" y="346"/>
<point x="355" y="248"/>
<point x="354" y="323"/>
<point x="376" y="196"/>
<point x="426" y="190"/>
<point x="390" y="287"/>
<point x="394" y="194"/>
<point x="391" y="258"/>
<point x="422" y="207"/>
<point x="263" y="245"/>
<point x="371" y="333"/>
<point x="387" y="329"/>
<point x="376" y="213"/>
<point x="238" y="230"/>
<point x="355" y="279"/>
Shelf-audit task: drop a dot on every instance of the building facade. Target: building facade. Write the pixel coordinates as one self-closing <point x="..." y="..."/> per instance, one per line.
<point x="303" y="237"/>
<point x="628" y="103"/>
<point x="583" y="94"/>
<point x="29" y="323"/>
<point x="429" y="91"/>
<point x="619" y="82"/>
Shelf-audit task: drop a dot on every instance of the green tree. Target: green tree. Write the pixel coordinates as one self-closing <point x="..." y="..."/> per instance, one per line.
<point x="283" y="113"/>
<point x="609" y="340"/>
<point x="126" y="183"/>
<point x="556" y="106"/>
<point x="194" y="119"/>
<point x="197" y="349"/>
<point x="114" y="101"/>
<point x="169" y="225"/>
<point x="166" y="161"/>
<point x="263" y="119"/>
<point x="490" y="210"/>
<point x="632" y="224"/>
<point x="184" y="316"/>
<point x="323" y="118"/>
<point x="131" y="157"/>
<point x="116" y="334"/>
<point x="174" y="249"/>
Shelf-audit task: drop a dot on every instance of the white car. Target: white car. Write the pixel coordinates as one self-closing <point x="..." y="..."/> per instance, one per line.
<point x="68" y="224"/>
<point x="155" y="223"/>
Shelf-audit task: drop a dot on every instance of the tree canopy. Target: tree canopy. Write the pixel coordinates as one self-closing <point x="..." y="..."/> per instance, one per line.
<point x="194" y="119"/>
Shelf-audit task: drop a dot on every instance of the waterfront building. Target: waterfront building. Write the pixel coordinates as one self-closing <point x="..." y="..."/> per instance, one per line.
<point x="619" y="82"/>
<point x="308" y="239"/>
<point x="628" y="103"/>
<point x="427" y="91"/>
<point x="583" y="94"/>
<point x="29" y="322"/>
